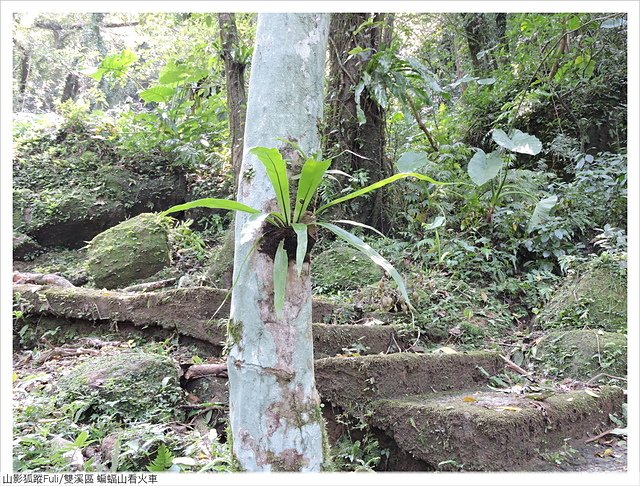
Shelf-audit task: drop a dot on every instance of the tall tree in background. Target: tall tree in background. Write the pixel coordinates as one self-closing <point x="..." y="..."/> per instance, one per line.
<point x="234" y="67"/>
<point x="275" y="412"/>
<point x="367" y="34"/>
<point x="479" y="36"/>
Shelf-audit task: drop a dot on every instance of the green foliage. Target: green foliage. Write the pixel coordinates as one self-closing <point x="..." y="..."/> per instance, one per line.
<point x="142" y="375"/>
<point x="163" y="460"/>
<point x="114" y="65"/>
<point x="308" y="183"/>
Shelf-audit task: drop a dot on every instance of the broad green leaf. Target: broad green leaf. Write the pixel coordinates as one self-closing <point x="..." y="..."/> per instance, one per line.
<point x="280" y="267"/>
<point x="541" y="212"/>
<point x="574" y="22"/>
<point x="520" y="142"/>
<point x="357" y="50"/>
<point x="158" y="94"/>
<point x="436" y="223"/>
<point x="375" y="257"/>
<point x="173" y="73"/>
<point x="310" y="178"/>
<point x="378" y="185"/>
<point x="486" y="81"/>
<point x="464" y="79"/>
<point x="115" y="64"/>
<point x="277" y="172"/>
<point x="482" y="167"/>
<point x="361" y="225"/>
<point x="212" y="203"/>
<point x="379" y="94"/>
<point x="301" y="248"/>
<point x="412" y="161"/>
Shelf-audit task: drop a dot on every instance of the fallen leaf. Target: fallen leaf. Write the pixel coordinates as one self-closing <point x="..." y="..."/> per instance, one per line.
<point x="606" y="453"/>
<point x="510" y="409"/>
<point x="469" y="399"/>
<point x="446" y="350"/>
<point x="591" y="393"/>
<point x="570" y="399"/>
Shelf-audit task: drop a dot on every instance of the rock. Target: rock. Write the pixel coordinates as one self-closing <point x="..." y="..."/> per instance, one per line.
<point x="76" y="217"/>
<point x="70" y="217"/>
<point x="24" y="247"/>
<point x="582" y="354"/>
<point x="595" y="297"/>
<point x="343" y="268"/>
<point x="131" y="386"/>
<point x="132" y="250"/>
<point x="41" y="279"/>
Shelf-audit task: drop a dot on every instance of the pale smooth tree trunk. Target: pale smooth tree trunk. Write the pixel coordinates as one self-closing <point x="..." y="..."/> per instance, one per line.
<point x="275" y="413"/>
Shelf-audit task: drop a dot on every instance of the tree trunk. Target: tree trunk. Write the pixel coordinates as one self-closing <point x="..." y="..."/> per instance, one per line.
<point x="71" y="87"/>
<point x="478" y="37"/>
<point x="25" y="71"/>
<point x="275" y="412"/>
<point x="236" y="97"/>
<point x="501" y="30"/>
<point x="343" y="131"/>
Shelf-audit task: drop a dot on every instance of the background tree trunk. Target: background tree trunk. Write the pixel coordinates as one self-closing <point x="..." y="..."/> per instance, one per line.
<point x="343" y="132"/>
<point x="478" y="36"/>
<point x="236" y="96"/>
<point x="275" y="412"/>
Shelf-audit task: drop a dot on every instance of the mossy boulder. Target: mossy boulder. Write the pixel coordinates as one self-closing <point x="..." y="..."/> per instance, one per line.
<point x="594" y="296"/>
<point x="24" y="247"/>
<point x="72" y="185"/>
<point x="64" y="217"/>
<point x="343" y="268"/>
<point x="132" y="250"/>
<point x="582" y="354"/>
<point x="131" y="386"/>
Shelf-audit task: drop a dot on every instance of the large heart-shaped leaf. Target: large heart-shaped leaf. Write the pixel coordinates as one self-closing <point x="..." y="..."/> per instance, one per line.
<point x="519" y="142"/>
<point x="541" y="212"/>
<point x="412" y="161"/>
<point x="482" y="167"/>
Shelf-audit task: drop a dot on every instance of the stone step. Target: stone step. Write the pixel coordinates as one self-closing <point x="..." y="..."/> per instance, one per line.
<point x="350" y="383"/>
<point x="186" y="311"/>
<point x="346" y="381"/>
<point x="489" y="430"/>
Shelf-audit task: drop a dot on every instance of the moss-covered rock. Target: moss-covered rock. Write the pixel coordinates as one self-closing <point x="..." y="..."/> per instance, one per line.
<point x="131" y="386"/>
<point x="343" y="268"/>
<point x="72" y="184"/>
<point x="594" y="296"/>
<point x="583" y="354"/>
<point x="24" y="247"/>
<point x="132" y="250"/>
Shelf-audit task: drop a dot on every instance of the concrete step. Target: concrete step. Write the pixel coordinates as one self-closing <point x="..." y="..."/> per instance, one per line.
<point x="190" y="312"/>
<point x="489" y="430"/>
<point x="347" y="381"/>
